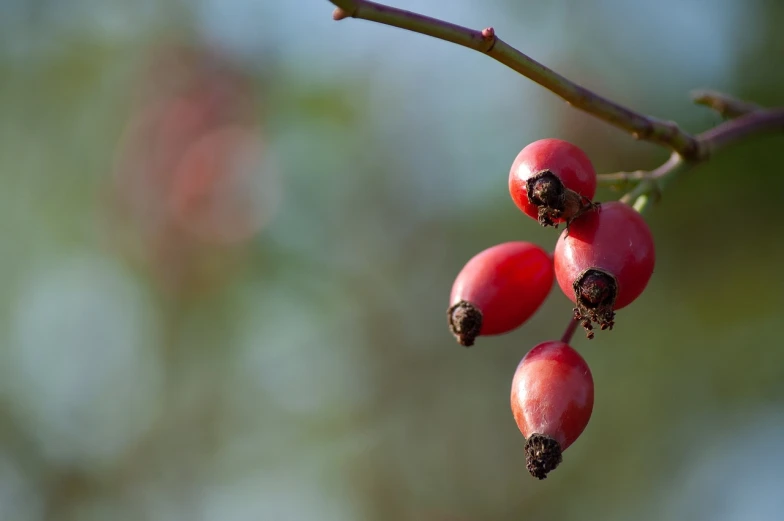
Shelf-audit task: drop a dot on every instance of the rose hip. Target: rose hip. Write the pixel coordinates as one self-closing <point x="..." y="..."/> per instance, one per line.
<point x="552" y="181"/>
<point x="604" y="262"/>
<point x="498" y="290"/>
<point x="552" y="401"/>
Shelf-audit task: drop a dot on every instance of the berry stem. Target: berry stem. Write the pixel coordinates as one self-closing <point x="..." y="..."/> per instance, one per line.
<point x="641" y="203"/>
<point x="646" y="128"/>
<point x="568" y="333"/>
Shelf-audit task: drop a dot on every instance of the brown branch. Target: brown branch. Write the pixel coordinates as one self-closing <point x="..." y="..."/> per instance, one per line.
<point x="730" y="132"/>
<point x="687" y="149"/>
<point x="711" y="141"/>
<point x="640" y="126"/>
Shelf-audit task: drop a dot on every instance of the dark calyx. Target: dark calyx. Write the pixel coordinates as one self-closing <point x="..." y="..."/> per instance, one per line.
<point x="595" y="291"/>
<point x="554" y="200"/>
<point x="465" y="322"/>
<point x="542" y="454"/>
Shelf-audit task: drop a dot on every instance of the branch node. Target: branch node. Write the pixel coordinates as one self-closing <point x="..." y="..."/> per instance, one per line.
<point x="340" y="13"/>
<point x="695" y="151"/>
<point x="645" y="133"/>
<point x="488" y="35"/>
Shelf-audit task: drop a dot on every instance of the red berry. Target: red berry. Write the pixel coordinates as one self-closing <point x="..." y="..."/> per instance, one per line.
<point x="498" y="290"/>
<point x="552" y="401"/>
<point x="604" y="261"/>
<point x="552" y="181"/>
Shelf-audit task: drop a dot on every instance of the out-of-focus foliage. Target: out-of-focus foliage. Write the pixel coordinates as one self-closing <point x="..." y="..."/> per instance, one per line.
<point x="229" y="233"/>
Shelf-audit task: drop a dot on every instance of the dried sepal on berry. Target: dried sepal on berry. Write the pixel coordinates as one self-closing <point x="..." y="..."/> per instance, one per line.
<point x="465" y="322"/>
<point x="542" y="455"/>
<point x="555" y="203"/>
<point x="595" y="291"/>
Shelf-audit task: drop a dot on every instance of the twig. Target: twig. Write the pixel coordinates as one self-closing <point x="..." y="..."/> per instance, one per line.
<point x="726" y="105"/>
<point x="665" y="133"/>
<point x="711" y="141"/>
<point x="650" y="183"/>
<point x="639" y="175"/>
<point x="728" y="133"/>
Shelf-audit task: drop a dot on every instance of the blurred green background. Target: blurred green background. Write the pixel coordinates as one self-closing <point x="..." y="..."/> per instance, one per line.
<point x="230" y="231"/>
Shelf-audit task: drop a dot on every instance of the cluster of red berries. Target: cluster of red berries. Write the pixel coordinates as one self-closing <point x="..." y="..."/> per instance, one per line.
<point x="603" y="260"/>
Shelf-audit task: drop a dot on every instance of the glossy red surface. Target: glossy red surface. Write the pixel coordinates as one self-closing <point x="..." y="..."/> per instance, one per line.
<point x="565" y="160"/>
<point x="507" y="282"/>
<point x="552" y="393"/>
<point x="616" y="239"/>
